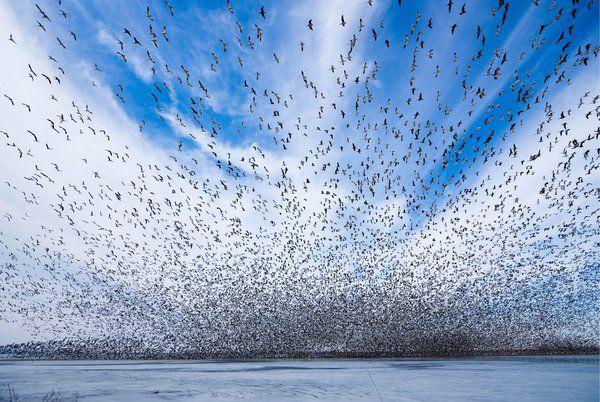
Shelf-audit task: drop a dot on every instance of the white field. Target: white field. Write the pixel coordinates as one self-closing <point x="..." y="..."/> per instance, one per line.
<point x="557" y="378"/>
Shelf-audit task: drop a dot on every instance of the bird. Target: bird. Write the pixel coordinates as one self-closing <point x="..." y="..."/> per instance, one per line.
<point x="34" y="136"/>
<point x="148" y="14"/>
<point x="12" y="102"/>
<point x="170" y="8"/>
<point x="435" y="199"/>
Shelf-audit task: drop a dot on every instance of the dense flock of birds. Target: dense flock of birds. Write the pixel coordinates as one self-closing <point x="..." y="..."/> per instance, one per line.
<point x="406" y="193"/>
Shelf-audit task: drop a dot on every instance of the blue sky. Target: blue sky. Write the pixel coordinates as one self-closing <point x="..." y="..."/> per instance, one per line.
<point x="394" y="165"/>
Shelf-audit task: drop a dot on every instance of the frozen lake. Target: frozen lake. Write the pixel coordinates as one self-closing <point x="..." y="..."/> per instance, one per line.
<point x="506" y="378"/>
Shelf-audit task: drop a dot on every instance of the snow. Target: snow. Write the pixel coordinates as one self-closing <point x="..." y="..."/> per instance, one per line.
<point x="481" y="379"/>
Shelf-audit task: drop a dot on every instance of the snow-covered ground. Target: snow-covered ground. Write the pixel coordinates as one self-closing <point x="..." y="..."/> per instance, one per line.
<point x="485" y="379"/>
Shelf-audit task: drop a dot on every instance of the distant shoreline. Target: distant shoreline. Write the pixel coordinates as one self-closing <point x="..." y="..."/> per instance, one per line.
<point x="16" y="353"/>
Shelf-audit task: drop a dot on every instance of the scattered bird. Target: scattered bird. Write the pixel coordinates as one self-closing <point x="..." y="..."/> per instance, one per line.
<point x="433" y="195"/>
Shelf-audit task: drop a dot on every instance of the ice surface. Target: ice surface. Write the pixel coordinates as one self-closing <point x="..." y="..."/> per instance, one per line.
<point x="484" y="379"/>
